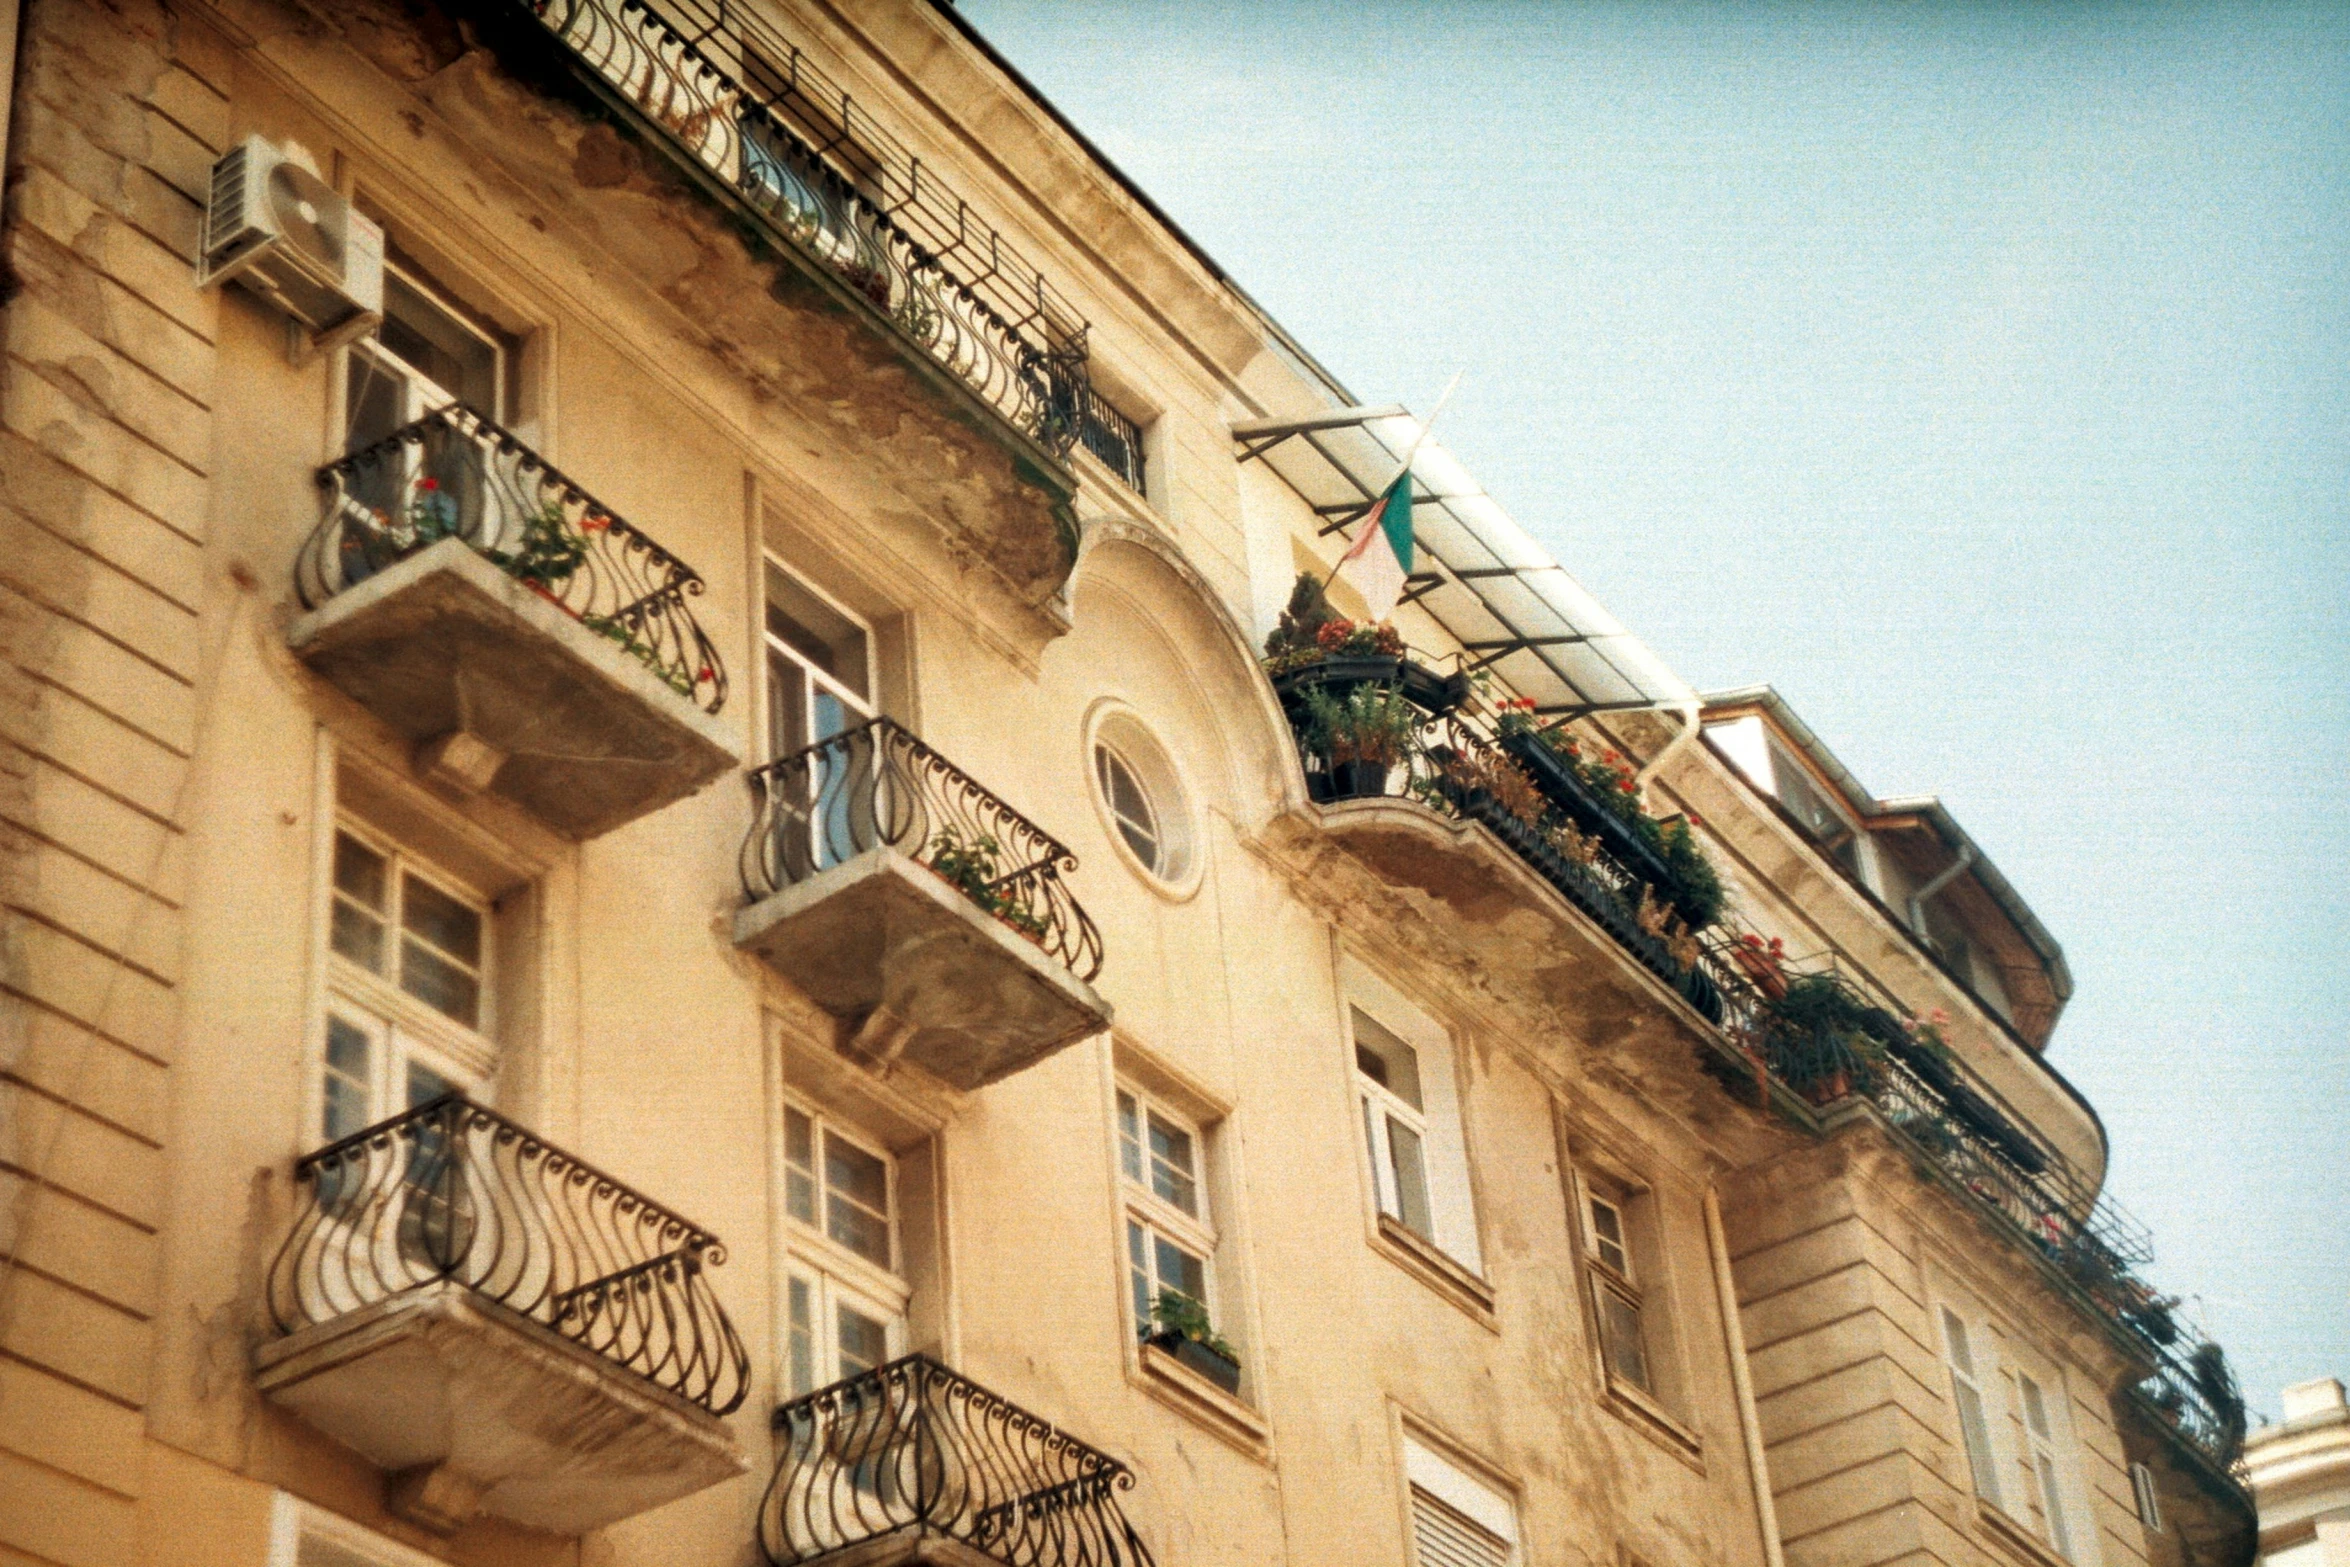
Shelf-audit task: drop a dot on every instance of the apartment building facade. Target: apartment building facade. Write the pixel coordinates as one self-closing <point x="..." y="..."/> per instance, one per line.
<point x="691" y="876"/>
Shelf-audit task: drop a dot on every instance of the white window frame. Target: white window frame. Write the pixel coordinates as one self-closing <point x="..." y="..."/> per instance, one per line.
<point x="2147" y="1496"/>
<point x="812" y="678"/>
<point x="835" y="1274"/>
<point x="1382" y="1111"/>
<point x="1617" y="1278"/>
<point x="1972" y="1372"/>
<point x="401" y="1028"/>
<point x="1142" y="1206"/>
<point x="421" y="394"/>
<point x="1452" y="1198"/>
<point x="2047" y="1462"/>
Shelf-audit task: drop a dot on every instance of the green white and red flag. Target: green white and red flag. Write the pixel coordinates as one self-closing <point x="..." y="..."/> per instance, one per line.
<point x="1381" y="557"/>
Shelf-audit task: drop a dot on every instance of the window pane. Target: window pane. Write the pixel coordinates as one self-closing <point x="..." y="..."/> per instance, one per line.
<point x="360" y="872"/>
<point x="347" y="1075"/>
<point x="438" y="983"/>
<point x="375" y="403"/>
<point x="803" y="1339"/>
<point x="2035" y="1410"/>
<point x="799" y="1174"/>
<point x="818" y="633"/>
<point x="799" y="1139"/>
<point x="428" y="912"/>
<point x="857" y="1204"/>
<point x="1619" y="1331"/>
<point x="1179" y="1270"/>
<point x="448" y="352"/>
<point x="359" y="936"/>
<point x="1379" y="1187"/>
<point x="1607" y="1235"/>
<point x="1961" y="1355"/>
<point x="1411" y="1178"/>
<point x="1399" y="1063"/>
<point x="1129" y="1140"/>
<point x="1171" y="1166"/>
<point x="2059" y="1534"/>
<point x="426" y="1085"/>
<point x="1978" y="1441"/>
<point x="1138" y="824"/>
<point x="864" y="1343"/>
<point x="1138" y="1271"/>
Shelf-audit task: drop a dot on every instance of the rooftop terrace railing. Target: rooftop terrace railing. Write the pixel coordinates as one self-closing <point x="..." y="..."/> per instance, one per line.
<point x="878" y="785"/>
<point x="911" y="1449"/>
<point x="454" y="474"/>
<point x="745" y="107"/>
<point x="452" y="1191"/>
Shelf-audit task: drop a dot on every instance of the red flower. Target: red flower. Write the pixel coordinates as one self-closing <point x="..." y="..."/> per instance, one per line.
<point x="707" y="673"/>
<point x="1626" y="784"/>
<point x="1750" y="939"/>
<point x="1696" y="820"/>
<point x="428" y="483"/>
<point x="594" y="522"/>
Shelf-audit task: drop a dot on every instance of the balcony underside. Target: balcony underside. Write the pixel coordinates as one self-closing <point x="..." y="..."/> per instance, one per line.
<point x="469" y="1407"/>
<point x="544" y="712"/>
<point x="917" y="973"/>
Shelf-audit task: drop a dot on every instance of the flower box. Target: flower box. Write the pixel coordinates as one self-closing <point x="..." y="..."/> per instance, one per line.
<point x="1219" y="1369"/>
<point x="1421" y="686"/>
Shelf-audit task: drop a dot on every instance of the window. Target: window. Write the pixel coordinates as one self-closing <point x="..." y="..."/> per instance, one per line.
<point x="407" y="993"/>
<point x="1615" y="1297"/>
<point x="844" y="1303"/>
<point x="1457" y="1520"/>
<point x="1406" y="1110"/>
<point x="423" y="357"/>
<point x="2044" y="1468"/>
<point x="819" y="686"/>
<point x="1809" y="805"/>
<point x="1141" y="799"/>
<point x="1170" y="1242"/>
<point x="1395" y="1122"/>
<point x="1966" y="1387"/>
<point x="2149" y="1503"/>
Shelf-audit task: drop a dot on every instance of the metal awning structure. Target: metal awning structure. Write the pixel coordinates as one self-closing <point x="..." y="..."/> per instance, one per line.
<point x="1513" y="609"/>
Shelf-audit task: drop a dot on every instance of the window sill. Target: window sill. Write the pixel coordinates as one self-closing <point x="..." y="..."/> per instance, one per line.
<point x="1648" y="1417"/>
<point x="1427" y="1262"/>
<point x="2018" y="1538"/>
<point x="1184" y="1390"/>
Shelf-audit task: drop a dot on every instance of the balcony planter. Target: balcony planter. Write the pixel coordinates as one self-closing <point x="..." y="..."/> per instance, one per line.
<point x="1422" y="687"/>
<point x="1564" y="788"/>
<point x="1218" y="1368"/>
<point x="1348" y="781"/>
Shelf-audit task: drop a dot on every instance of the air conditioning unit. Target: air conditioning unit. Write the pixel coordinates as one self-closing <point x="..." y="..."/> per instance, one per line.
<point x="284" y="233"/>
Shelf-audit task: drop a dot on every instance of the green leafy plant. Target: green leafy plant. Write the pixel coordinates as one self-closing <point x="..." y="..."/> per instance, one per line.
<point x="973" y="867"/>
<point x="1817" y="1035"/>
<point x="1176" y="1312"/>
<point x="1371" y="723"/>
<point x="551" y="549"/>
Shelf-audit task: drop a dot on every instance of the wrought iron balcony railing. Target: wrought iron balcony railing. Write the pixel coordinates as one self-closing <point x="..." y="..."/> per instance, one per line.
<point x="453" y="474"/>
<point x="453" y="1191"/>
<point x="911" y="1448"/>
<point x="741" y="103"/>
<point x="878" y="785"/>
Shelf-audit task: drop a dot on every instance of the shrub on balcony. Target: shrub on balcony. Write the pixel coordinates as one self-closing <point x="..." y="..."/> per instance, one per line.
<point x="973" y="867"/>
<point x="1689" y="883"/>
<point x="1817" y="1039"/>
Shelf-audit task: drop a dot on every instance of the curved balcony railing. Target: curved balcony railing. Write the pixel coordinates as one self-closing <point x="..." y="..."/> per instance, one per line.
<point x="453" y="1191"/>
<point x="453" y="474"/>
<point x="878" y="785"/>
<point x="748" y="107"/>
<point x="912" y="1448"/>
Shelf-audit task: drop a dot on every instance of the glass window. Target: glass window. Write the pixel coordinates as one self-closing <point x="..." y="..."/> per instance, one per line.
<point x="1974" y="1424"/>
<point x="1169" y="1240"/>
<point x="1130" y="807"/>
<point x="844" y="1304"/>
<point x="856" y="1199"/>
<point x="2044" y="1464"/>
<point x="1387" y="1076"/>
<point x="1619" y="1336"/>
<point x="441" y="956"/>
<point x="832" y="1332"/>
<point x="424" y="356"/>
<point x="1607" y="1237"/>
<point x="1615" y="1295"/>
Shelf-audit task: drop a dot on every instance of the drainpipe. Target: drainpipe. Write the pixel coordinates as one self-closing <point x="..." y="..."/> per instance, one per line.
<point x="1950" y="873"/>
<point x="1690" y="712"/>
<point x="1766" y="1512"/>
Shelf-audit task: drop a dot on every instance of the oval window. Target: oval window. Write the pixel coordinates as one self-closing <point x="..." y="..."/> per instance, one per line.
<point x="1140" y="795"/>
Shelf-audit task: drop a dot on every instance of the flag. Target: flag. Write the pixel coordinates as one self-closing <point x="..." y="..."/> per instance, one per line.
<point x="1382" y="554"/>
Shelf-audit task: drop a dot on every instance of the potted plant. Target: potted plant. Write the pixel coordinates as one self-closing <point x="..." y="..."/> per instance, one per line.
<point x="1180" y="1326"/>
<point x="973" y="868"/>
<point x="1358" y="737"/>
<point x="1817" y="1041"/>
<point x="1313" y="646"/>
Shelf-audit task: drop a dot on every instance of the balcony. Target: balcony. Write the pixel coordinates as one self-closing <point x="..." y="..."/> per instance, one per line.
<point x="912" y="1463"/>
<point x="762" y="130"/>
<point x="529" y="642"/>
<point x="501" y="1327"/>
<point x="923" y="913"/>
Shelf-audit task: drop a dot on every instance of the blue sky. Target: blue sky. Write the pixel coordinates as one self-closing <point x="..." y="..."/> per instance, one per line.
<point x="1974" y="374"/>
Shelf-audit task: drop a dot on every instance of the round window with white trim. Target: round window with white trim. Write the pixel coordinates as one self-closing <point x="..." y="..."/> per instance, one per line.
<point x="1141" y="799"/>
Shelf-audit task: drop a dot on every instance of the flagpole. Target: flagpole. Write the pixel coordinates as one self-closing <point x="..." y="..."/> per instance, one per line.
<point x="1405" y="466"/>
